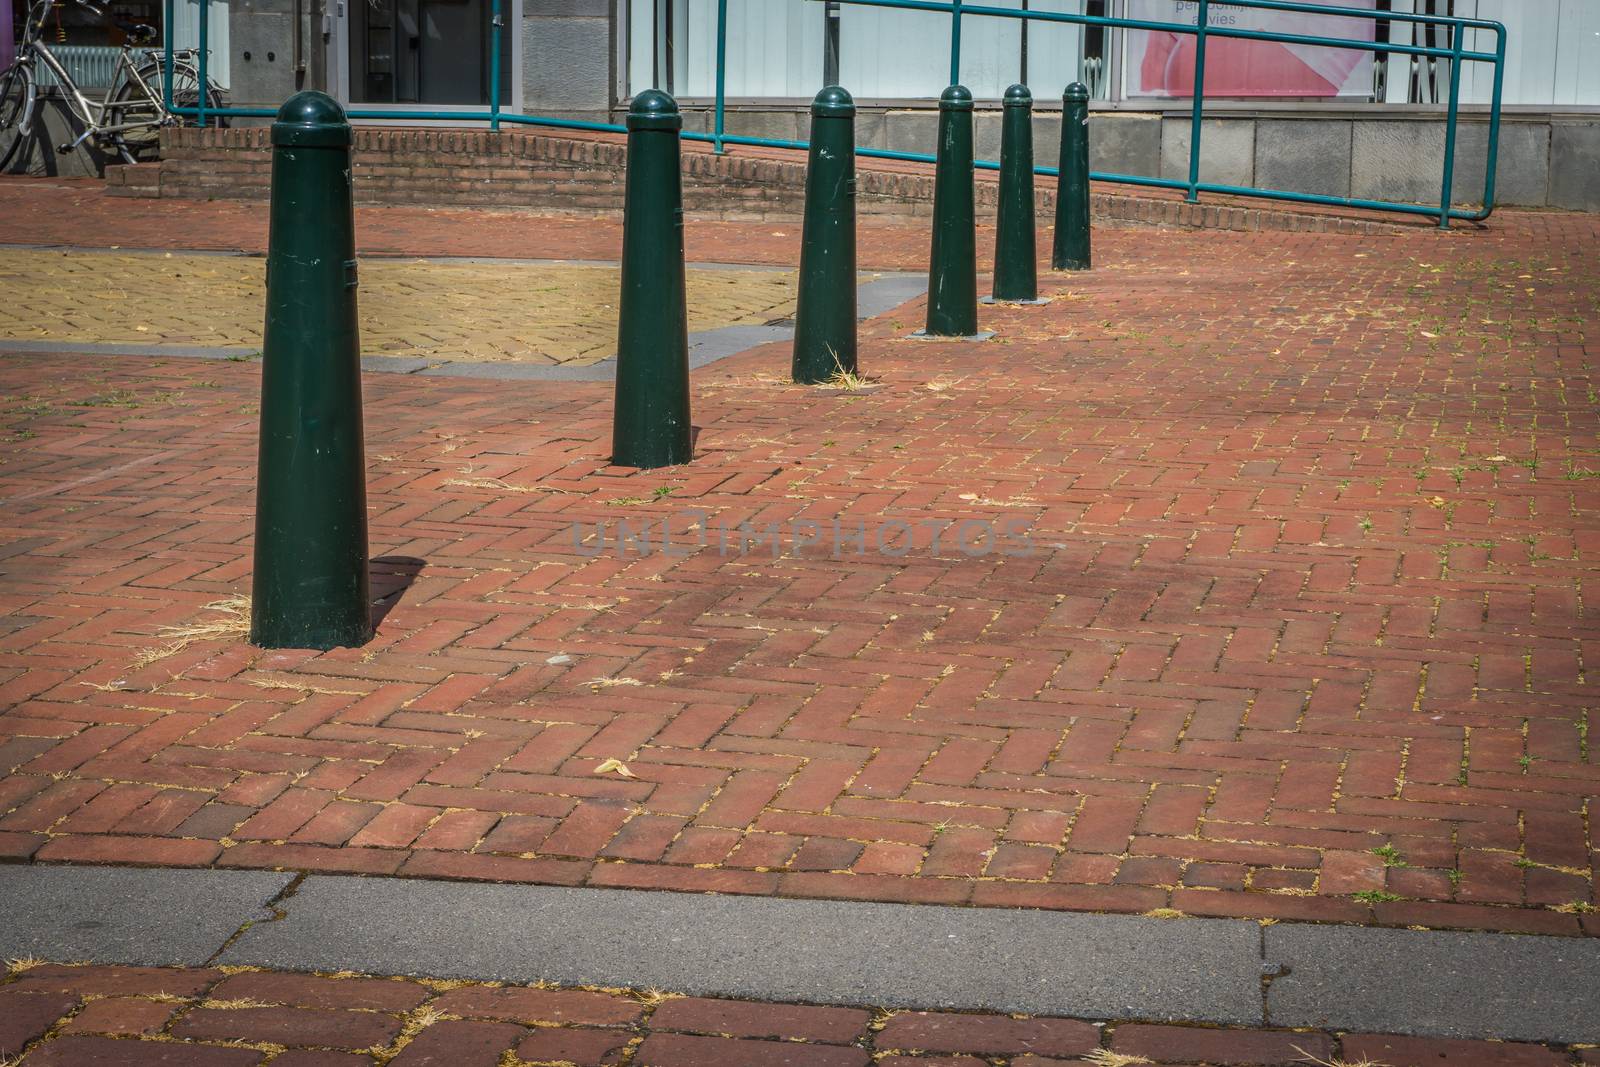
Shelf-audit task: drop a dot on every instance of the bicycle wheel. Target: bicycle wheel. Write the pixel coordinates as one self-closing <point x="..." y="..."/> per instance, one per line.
<point x="16" y="107"/>
<point x="130" y="104"/>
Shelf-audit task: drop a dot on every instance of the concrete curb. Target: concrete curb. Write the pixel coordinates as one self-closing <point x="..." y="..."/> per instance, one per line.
<point x="1224" y="971"/>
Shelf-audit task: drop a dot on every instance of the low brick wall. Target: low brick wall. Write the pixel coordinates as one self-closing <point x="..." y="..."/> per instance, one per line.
<point x="519" y="168"/>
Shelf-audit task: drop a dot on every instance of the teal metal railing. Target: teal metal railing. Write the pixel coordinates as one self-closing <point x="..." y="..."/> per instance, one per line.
<point x="1192" y="186"/>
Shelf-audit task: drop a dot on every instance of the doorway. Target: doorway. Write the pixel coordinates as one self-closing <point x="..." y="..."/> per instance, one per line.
<point x="431" y="53"/>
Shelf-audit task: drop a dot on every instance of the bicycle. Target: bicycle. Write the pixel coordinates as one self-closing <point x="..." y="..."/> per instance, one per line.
<point x="127" y="120"/>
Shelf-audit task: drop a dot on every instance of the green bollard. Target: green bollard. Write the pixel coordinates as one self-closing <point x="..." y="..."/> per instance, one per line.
<point x="650" y="422"/>
<point x="953" y="263"/>
<point x="310" y="582"/>
<point x="1016" y="274"/>
<point x="1071" y="248"/>
<point x="825" y="314"/>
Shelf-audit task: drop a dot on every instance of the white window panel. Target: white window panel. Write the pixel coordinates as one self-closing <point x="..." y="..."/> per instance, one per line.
<point x="894" y="54"/>
<point x="991" y="53"/>
<point x="1397" y="83"/>
<point x="1552" y="52"/>
<point x="774" y="48"/>
<point x="1577" y="63"/>
<point x="1532" y="29"/>
<point x="694" y="47"/>
<point x="1055" y="50"/>
<point x="185" y="30"/>
<point x="642" y="46"/>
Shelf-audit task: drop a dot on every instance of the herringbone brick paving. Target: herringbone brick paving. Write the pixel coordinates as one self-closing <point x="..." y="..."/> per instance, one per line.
<point x="1303" y="635"/>
<point x="236" y="1017"/>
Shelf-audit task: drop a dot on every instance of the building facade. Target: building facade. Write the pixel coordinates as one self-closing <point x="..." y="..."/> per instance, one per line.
<point x="1339" y="122"/>
<point x="1363" y="125"/>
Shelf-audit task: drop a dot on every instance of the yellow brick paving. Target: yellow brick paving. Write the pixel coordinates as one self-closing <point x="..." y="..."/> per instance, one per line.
<point x="436" y="310"/>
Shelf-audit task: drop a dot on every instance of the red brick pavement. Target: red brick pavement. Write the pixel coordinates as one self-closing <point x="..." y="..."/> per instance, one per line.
<point x="1304" y="636"/>
<point x="78" y="213"/>
<point x="150" y="1017"/>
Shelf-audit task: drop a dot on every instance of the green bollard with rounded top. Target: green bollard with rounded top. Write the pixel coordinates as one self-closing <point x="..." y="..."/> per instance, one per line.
<point x="1016" y="273"/>
<point x="953" y="266"/>
<point x="650" y="422"/>
<point x="1071" y="248"/>
<point x="310" y="587"/>
<point x="825" y="314"/>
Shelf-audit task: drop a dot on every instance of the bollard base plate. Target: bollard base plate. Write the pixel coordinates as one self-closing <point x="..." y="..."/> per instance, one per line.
<point x="924" y="335"/>
<point x="1039" y="301"/>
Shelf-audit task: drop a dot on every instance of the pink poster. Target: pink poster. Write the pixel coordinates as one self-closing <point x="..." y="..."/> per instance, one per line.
<point x="1161" y="64"/>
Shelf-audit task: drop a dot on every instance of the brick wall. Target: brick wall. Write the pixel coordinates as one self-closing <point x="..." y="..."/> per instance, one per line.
<point x="521" y="168"/>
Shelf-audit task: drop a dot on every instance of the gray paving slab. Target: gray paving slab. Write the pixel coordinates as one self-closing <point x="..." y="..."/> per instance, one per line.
<point x="817" y="951"/>
<point x="377" y="364"/>
<point x="118" y="250"/>
<point x="937" y="338"/>
<point x="128" y="915"/>
<point x="887" y="292"/>
<point x="1426" y="983"/>
<point x="1435" y="983"/>
<point x="96" y="348"/>
<point x="393" y="364"/>
<point x="712" y="345"/>
<point x="604" y="371"/>
<point x="705" y="347"/>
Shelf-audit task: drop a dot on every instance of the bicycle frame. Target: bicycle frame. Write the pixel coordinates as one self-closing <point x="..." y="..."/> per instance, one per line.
<point x="92" y="112"/>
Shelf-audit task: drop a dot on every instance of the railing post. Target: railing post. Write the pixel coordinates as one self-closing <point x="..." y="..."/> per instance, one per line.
<point x="205" y="48"/>
<point x="1450" y="128"/>
<point x="310" y="584"/>
<point x="1202" y="20"/>
<point x="1494" y="120"/>
<point x="169" y="13"/>
<point x="955" y="42"/>
<point x="494" y="65"/>
<point x="722" y="75"/>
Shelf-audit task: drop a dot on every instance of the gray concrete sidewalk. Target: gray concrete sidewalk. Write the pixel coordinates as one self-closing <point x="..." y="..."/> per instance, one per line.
<point x="1425" y="983"/>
